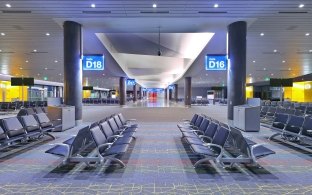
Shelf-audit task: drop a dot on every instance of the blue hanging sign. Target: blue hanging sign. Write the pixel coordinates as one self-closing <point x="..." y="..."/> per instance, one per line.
<point x="216" y="62"/>
<point x="131" y="82"/>
<point x="93" y="62"/>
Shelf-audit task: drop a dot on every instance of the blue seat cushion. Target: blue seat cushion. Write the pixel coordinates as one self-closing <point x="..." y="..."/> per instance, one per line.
<point x="203" y="150"/>
<point x="123" y="140"/>
<point x="115" y="150"/>
<point x="58" y="150"/>
<point x="262" y="151"/>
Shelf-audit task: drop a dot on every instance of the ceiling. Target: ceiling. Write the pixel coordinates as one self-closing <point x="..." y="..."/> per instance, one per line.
<point x="283" y="24"/>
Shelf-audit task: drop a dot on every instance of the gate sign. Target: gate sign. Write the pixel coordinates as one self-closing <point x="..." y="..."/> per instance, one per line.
<point x="93" y="62"/>
<point x="131" y="82"/>
<point x="216" y="62"/>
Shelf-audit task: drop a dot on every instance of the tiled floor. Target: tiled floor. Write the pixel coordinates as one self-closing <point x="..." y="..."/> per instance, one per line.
<point x="158" y="163"/>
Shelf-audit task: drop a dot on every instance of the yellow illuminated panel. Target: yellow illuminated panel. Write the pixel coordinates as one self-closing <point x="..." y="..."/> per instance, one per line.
<point x="12" y="93"/>
<point x="300" y="92"/>
<point x="249" y="92"/>
<point x="86" y="94"/>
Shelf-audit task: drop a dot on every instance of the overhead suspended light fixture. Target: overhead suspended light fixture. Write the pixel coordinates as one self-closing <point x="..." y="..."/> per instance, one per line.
<point x="159" y="52"/>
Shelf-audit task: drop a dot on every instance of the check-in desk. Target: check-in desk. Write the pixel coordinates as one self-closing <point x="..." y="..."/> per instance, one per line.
<point x="247" y="118"/>
<point x="64" y="115"/>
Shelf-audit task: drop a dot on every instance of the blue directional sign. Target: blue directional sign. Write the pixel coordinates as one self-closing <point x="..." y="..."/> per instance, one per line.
<point x="93" y="62"/>
<point x="216" y="62"/>
<point x="171" y="87"/>
<point x="130" y="82"/>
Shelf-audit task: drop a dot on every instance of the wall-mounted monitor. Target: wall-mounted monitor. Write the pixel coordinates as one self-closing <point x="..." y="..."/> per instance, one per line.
<point x="281" y="82"/>
<point x="171" y="87"/>
<point x="28" y="81"/>
<point x="93" y="62"/>
<point x="287" y="82"/>
<point x="19" y="81"/>
<point x="216" y="62"/>
<point x="131" y="82"/>
<point x="90" y="88"/>
<point x="16" y="81"/>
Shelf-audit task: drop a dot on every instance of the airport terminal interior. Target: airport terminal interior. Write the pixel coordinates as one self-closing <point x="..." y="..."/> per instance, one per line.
<point x="155" y="97"/>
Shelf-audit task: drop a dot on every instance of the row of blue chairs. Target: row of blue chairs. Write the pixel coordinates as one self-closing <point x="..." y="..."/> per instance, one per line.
<point x="9" y="106"/>
<point x="103" y="100"/>
<point x="15" y="130"/>
<point x="109" y="137"/>
<point x="216" y="141"/>
<point x="292" y="128"/>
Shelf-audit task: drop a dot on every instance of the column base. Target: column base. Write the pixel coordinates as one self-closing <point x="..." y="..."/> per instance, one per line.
<point x="78" y="122"/>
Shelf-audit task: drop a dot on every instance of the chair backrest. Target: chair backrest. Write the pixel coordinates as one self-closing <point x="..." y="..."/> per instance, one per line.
<point x="282" y="118"/>
<point x="30" y="123"/>
<point x="38" y="110"/>
<point x="97" y="135"/>
<point x="43" y="120"/>
<point x="237" y="143"/>
<point x="309" y="111"/>
<point x="122" y="119"/>
<point x="194" y="119"/>
<point x="30" y="111"/>
<point x="13" y="127"/>
<point x="82" y="139"/>
<point x="264" y="109"/>
<point x="2" y="134"/>
<point x="107" y="130"/>
<point x="280" y="110"/>
<point x="203" y="126"/>
<point x="294" y="124"/>
<point x="211" y="129"/>
<point x="118" y="121"/>
<point x="298" y="112"/>
<point x="307" y="127"/>
<point x="290" y="111"/>
<point x="272" y="110"/>
<point x="199" y="120"/>
<point x="220" y="136"/>
<point x="113" y="124"/>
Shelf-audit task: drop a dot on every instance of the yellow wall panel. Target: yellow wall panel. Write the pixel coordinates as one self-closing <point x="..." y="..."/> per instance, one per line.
<point x="249" y="92"/>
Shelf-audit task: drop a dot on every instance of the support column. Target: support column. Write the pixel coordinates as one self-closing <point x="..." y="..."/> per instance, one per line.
<point x="170" y="94"/>
<point x="122" y="91"/>
<point x="176" y="92"/>
<point x="135" y="93"/>
<point x="141" y="93"/>
<point x="166" y="94"/>
<point x="72" y="67"/>
<point x="236" y="84"/>
<point x="188" y="91"/>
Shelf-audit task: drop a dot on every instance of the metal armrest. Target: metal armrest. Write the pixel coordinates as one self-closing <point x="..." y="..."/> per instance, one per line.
<point x="309" y="131"/>
<point x="199" y="131"/>
<point x="205" y="137"/>
<point x="129" y="120"/>
<point x="67" y="148"/>
<point x="103" y="145"/>
<point x="214" y="145"/>
<point x="115" y="136"/>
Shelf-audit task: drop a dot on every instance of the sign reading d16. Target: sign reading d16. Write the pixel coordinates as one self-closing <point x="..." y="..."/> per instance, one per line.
<point x="93" y="62"/>
<point x="216" y="62"/>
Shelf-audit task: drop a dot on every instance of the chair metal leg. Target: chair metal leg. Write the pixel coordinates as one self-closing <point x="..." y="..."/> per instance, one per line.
<point x="207" y="159"/>
<point x="274" y="135"/>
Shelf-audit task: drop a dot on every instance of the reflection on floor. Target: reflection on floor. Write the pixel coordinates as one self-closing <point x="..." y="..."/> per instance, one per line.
<point x="159" y="163"/>
<point x="156" y="102"/>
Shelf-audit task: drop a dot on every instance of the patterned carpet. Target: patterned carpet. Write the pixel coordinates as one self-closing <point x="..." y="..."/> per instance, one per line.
<point x="158" y="162"/>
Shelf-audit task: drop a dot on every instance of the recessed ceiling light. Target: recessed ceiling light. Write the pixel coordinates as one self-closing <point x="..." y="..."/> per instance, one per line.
<point x="55" y="61"/>
<point x="254" y="61"/>
<point x="274" y="50"/>
<point x="310" y="50"/>
<point x="35" y="50"/>
<point x="262" y="34"/>
<point x="0" y="50"/>
<point x="46" y="68"/>
<point x="8" y="5"/>
<point x="272" y="74"/>
<point x="38" y="74"/>
<point x="289" y="68"/>
<point x="264" y="68"/>
<point x="21" y="68"/>
<point x="26" y="61"/>
<point x="93" y="5"/>
<point x="250" y="74"/>
<point x="283" y="61"/>
<point x="216" y="5"/>
<point x="60" y="74"/>
<point x="48" y="34"/>
<point x="301" y="6"/>
<point x="154" y="5"/>
<point x="307" y="34"/>
<point x="2" y="34"/>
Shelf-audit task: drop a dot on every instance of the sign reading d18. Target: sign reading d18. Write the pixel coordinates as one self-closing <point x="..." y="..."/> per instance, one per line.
<point x="93" y="62"/>
<point x="216" y="62"/>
